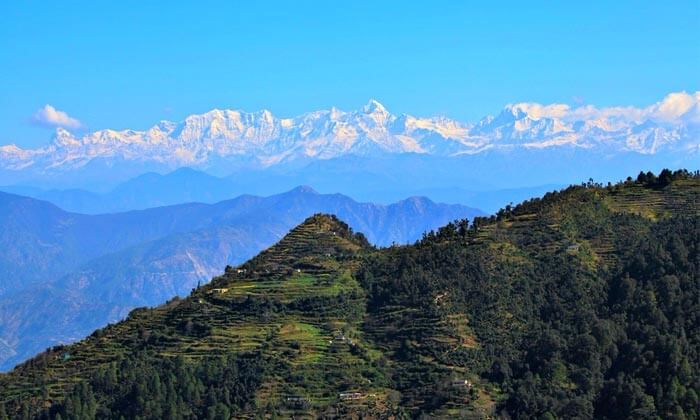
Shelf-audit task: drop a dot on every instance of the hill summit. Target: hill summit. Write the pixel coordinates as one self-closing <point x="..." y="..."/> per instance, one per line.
<point x="318" y="235"/>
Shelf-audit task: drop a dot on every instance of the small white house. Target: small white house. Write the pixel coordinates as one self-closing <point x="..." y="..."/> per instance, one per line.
<point x="462" y="383"/>
<point x="350" y="395"/>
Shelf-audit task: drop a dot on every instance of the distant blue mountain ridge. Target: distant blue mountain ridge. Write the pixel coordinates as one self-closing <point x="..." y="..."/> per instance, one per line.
<point x="186" y="185"/>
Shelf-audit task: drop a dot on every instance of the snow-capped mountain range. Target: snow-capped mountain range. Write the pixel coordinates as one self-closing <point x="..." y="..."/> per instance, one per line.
<point x="263" y="140"/>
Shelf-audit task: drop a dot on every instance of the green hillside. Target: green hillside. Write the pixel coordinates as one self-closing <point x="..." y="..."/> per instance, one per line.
<point x="585" y="303"/>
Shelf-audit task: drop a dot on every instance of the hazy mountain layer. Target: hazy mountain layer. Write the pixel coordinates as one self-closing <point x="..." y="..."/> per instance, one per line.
<point x="187" y="185"/>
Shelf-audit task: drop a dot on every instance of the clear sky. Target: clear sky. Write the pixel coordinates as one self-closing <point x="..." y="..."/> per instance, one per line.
<point x="129" y="64"/>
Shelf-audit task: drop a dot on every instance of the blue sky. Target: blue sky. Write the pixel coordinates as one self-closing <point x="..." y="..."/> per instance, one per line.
<point x="130" y="64"/>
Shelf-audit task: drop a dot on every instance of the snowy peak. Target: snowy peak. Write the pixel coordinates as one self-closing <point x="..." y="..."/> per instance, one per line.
<point x="668" y="124"/>
<point x="260" y="139"/>
<point x="374" y="107"/>
<point x="513" y="112"/>
<point x="63" y="138"/>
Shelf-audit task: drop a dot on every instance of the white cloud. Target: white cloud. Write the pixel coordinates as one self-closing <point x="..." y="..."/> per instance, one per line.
<point x="677" y="107"/>
<point x="590" y="112"/>
<point x="48" y="116"/>
<point x="537" y="111"/>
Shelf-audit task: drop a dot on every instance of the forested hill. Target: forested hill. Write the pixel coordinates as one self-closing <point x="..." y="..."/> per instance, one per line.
<point x="582" y="304"/>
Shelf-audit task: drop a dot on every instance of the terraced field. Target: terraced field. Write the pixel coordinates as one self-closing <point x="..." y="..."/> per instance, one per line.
<point x="681" y="197"/>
